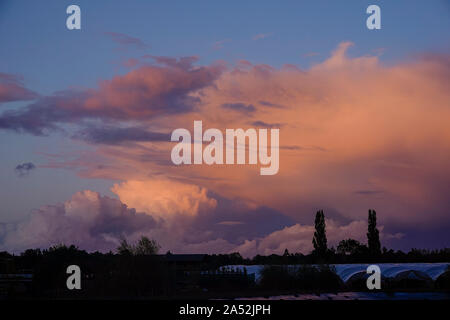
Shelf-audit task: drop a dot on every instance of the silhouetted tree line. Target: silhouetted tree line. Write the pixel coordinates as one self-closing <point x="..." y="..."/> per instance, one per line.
<point x="136" y="269"/>
<point x="134" y="272"/>
<point x="347" y="251"/>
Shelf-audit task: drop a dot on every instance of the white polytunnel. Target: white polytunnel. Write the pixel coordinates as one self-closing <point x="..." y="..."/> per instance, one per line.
<point x="346" y="271"/>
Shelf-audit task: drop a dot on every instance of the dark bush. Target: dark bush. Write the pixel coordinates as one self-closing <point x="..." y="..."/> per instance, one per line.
<point x="305" y="277"/>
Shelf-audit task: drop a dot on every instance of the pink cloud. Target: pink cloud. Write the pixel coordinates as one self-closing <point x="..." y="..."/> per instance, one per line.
<point x="298" y="238"/>
<point x="12" y="89"/>
<point x="143" y="93"/>
<point x="88" y="220"/>
<point x="356" y="134"/>
<point x="164" y="199"/>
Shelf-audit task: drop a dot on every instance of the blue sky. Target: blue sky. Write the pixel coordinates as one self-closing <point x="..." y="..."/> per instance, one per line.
<point x="35" y="38"/>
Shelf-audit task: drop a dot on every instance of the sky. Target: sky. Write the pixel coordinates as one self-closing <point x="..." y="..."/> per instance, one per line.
<point x="86" y="117"/>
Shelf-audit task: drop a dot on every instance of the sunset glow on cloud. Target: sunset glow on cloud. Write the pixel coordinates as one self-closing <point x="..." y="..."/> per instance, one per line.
<point x="349" y="140"/>
<point x="355" y="133"/>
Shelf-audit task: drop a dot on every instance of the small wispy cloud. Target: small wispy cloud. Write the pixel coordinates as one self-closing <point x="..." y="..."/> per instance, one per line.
<point x="125" y="40"/>
<point x="270" y="104"/>
<point x="264" y="124"/>
<point x="261" y="36"/>
<point x="368" y="192"/>
<point x="220" y="44"/>
<point x="240" y="107"/>
<point x="230" y="223"/>
<point x="24" y="169"/>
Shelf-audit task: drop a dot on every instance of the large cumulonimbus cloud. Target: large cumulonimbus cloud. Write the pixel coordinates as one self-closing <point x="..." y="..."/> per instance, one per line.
<point x="354" y="134"/>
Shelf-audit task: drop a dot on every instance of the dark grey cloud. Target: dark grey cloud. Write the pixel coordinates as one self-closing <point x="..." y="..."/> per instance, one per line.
<point x="117" y="135"/>
<point x="266" y="124"/>
<point x="234" y="221"/>
<point x="45" y="114"/>
<point x="240" y="107"/>
<point x="368" y="192"/>
<point x="24" y="169"/>
<point x="270" y="104"/>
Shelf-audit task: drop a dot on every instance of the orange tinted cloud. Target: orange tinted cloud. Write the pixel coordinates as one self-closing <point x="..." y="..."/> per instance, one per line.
<point x="354" y="134"/>
<point x="164" y="198"/>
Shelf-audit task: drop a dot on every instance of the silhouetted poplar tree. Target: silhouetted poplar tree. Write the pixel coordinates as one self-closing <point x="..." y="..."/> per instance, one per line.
<point x="373" y="235"/>
<point x="320" y="237"/>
